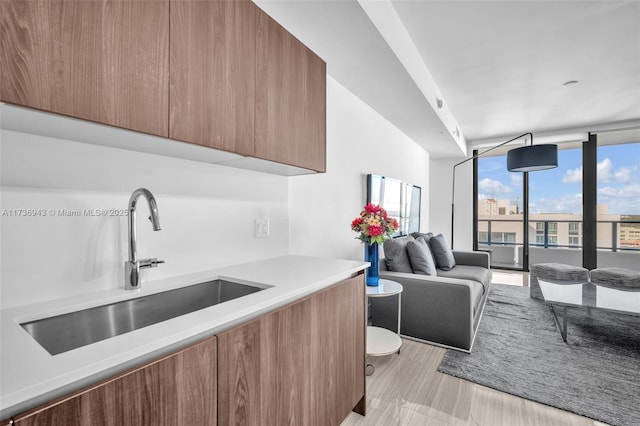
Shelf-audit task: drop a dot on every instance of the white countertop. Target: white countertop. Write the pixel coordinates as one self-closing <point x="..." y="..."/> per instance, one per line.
<point x="30" y="376"/>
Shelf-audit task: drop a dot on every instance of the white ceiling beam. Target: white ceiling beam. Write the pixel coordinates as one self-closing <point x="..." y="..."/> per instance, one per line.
<point x="569" y="135"/>
<point x="385" y="18"/>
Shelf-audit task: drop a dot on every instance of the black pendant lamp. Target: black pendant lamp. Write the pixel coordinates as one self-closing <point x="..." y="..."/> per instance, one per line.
<point x="529" y="158"/>
<point x="532" y="158"/>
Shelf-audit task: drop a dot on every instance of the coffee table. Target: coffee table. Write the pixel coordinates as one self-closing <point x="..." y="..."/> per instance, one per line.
<point x="561" y="296"/>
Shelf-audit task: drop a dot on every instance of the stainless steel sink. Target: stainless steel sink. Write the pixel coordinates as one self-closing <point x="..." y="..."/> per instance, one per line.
<point x="69" y="331"/>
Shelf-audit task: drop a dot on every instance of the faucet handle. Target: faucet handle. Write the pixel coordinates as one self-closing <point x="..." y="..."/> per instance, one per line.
<point x="149" y="263"/>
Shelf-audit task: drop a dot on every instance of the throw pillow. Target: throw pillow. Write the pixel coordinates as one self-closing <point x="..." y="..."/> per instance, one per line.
<point x="396" y="256"/>
<point x="442" y="252"/>
<point x="427" y="236"/>
<point x="421" y="257"/>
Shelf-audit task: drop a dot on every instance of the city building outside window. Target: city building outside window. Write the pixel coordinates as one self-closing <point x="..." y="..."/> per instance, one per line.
<point x="553" y="233"/>
<point x="540" y="233"/>
<point x="503" y="237"/>
<point x="574" y="233"/>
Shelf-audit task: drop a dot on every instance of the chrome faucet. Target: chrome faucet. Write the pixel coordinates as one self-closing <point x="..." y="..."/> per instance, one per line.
<point x="133" y="265"/>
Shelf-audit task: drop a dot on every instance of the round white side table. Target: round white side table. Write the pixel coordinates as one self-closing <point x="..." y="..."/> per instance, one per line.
<point x="381" y="341"/>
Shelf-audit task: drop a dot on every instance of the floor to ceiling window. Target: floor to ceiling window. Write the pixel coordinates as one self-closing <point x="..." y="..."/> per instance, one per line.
<point x="618" y="202"/>
<point x="555" y="210"/>
<point x="500" y="223"/>
<point x="558" y="223"/>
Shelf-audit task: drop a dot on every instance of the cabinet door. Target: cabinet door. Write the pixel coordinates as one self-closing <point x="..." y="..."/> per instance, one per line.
<point x="338" y="326"/>
<point x="177" y="390"/>
<point x="290" y="99"/>
<point x="212" y="91"/>
<point x="302" y="364"/>
<point x="104" y="61"/>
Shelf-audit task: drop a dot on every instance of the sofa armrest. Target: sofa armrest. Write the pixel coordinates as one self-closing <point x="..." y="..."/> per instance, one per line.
<point x="472" y="258"/>
<point x="436" y="309"/>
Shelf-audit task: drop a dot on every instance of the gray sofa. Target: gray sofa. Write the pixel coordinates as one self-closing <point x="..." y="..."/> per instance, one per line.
<point x="444" y="309"/>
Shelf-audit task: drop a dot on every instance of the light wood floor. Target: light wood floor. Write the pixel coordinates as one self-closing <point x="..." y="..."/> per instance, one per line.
<point x="407" y="389"/>
<point x="500" y="276"/>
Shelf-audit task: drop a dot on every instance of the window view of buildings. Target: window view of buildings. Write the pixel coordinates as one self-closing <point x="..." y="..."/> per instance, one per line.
<point x="554" y="230"/>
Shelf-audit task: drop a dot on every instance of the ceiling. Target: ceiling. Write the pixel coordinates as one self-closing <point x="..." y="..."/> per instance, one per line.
<point x="497" y="66"/>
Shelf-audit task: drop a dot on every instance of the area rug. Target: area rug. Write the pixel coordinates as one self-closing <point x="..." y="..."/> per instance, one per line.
<point x="519" y="350"/>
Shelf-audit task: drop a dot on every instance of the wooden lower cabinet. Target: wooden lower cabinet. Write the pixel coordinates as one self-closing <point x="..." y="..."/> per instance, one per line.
<point x="177" y="390"/>
<point x="302" y="364"/>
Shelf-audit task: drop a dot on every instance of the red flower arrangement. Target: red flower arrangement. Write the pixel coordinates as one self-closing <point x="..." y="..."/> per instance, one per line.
<point x="374" y="225"/>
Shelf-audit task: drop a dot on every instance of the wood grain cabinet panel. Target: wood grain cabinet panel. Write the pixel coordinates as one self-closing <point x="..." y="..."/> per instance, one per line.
<point x="300" y="365"/>
<point x="176" y="390"/>
<point x="290" y="99"/>
<point x="212" y="92"/>
<point x="101" y="60"/>
<point x="338" y="352"/>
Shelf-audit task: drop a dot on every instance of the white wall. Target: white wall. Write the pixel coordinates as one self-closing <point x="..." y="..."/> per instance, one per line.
<point x="207" y="212"/>
<point x="359" y="141"/>
<point x="441" y="176"/>
<point x="207" y="215"/>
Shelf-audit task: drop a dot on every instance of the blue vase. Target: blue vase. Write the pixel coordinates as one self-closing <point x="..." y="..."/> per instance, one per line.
<point x="373" y="272"/>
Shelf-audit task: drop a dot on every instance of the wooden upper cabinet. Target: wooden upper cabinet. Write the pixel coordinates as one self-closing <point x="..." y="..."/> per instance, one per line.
<point x="212" y="91"/>
<point x="177" y="390"/>
<point x="290" y="99"/>
<point x="102" y="60"/>
<point x="228" y="77"/>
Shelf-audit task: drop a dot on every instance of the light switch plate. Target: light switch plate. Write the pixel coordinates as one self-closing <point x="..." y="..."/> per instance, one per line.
<point x="262" y="228"/>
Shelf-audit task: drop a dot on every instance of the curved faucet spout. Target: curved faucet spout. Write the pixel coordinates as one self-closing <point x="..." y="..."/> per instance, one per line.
<point x="155" y="220"/>
<point x="153" y="206"/>
<point x="133" y="266"/>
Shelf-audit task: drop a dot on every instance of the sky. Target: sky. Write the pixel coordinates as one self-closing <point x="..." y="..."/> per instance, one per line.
<point x="560" y="190"/>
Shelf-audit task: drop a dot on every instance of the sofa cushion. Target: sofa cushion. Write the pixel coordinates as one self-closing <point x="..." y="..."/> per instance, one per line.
<point x="442" y="252"/>
<point x="472" y="273"/>
<point x="420" y="257"/>
<point x="560" y="273"/>
<point x="621" y="278"/>
<point x="396" y="256"/>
